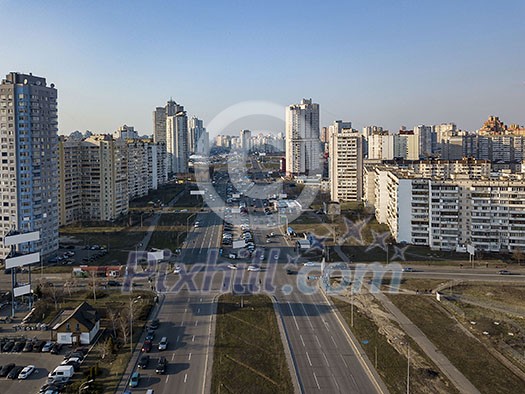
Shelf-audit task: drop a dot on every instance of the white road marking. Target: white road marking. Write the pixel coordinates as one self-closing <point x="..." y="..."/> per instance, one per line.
<point x="293" y="315"/>
<point x="196" y="321"/>
<point x="333" y="340"/>
<point x="308" y="357"/>
<point x="317" y="382"/>
<point x="200" y="300"/>
<point x="193" y="339"/>
<point x="185" y="378"/>
<point x="177" y="339"/>
<point x="181" y="323"/>
<point x="173" y="357"/>
<point x="342" y="358"/>
<point x="198" y="310"/>
<point x="317" y="339"/>
<point x="167" y="378"/>
<point x="189" y="356"/>
<point x="302" y="340"/>
<point x="325" y="359"/>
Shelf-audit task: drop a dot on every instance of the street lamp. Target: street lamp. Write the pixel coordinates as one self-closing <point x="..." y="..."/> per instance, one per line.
<point x="84" y="384"/>
<point x="131" y="302"/>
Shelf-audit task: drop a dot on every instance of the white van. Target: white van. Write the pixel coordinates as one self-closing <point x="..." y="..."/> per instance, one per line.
<point x="62" y="373"/>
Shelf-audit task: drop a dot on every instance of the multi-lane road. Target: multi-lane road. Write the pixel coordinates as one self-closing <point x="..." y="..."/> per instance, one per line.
<point x="325" y="356"/>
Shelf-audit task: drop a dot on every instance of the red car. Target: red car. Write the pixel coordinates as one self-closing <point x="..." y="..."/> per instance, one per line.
<point x="146" y="347"/>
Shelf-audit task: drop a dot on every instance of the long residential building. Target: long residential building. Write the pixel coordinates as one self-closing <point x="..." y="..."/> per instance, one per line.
<point x="451" y="213"/>
<point x="28" y="171"/>
<point x="99" y="175"/>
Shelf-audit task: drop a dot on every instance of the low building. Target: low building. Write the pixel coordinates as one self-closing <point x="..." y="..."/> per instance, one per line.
<point x="78" y="327"/>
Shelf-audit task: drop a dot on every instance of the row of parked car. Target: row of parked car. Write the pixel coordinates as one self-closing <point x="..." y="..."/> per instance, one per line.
<point x="13" y="371"/>
<point x="16" y="345"/>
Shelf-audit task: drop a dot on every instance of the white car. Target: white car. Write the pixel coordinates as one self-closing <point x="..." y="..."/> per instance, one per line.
<point x="24" y="374"/>
<point x="311" y="264"/>
<point x="177" y="269"/>
<point x="254" y="268"/>
<point x="232" y="266"/>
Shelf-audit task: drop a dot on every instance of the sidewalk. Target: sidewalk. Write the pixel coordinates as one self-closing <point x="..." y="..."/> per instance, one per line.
<point x="456" y="377"/>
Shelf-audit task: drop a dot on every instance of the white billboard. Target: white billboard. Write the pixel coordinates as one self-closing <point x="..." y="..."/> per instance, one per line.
<point x="197" y="192"/>
<point x="20" y="261"/>
<point x="17" y="239"/>
<point x="238" y="244"/>
<point x="21" y="290"/>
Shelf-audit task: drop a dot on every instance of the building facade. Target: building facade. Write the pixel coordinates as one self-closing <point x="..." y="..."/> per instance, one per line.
<point x="303" y="144"/>
<point x="345" y="162"/>
<point x="177" y="141"/>
<point x="29" y="168"/>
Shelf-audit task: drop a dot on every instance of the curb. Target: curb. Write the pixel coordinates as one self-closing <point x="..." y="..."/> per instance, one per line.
<point x="298" y="387"/>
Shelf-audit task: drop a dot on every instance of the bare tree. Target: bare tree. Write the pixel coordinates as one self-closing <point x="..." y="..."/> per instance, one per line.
<point x="124" y="324"/>
<point x="113" y="317"/>
<point x="55" y="293"/>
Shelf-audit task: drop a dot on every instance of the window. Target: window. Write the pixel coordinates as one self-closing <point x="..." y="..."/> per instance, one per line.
<point x="77" y="327"/>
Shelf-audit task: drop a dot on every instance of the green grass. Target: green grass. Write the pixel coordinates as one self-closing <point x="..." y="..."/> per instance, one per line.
<point x="248" y="353"/>
<point x="391" y="365"/>
<point x="467" y="354"/>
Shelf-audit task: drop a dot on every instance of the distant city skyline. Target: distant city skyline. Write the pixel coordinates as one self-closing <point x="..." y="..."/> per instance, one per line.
<point x="380" y="63"/>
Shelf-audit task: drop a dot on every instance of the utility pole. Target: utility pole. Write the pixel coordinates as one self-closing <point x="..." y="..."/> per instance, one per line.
<point x="408" y="368"/>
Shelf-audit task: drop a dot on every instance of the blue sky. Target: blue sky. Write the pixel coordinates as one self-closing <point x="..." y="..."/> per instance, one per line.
<point x="387" y="63"/>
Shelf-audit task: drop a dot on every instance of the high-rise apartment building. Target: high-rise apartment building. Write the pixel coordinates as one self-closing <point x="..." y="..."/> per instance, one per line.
<point x="198" y="137"/>
<point x="426" y="137"/>
<point x="28" y="172"/>
<point x="303" y="145"/>
<point x="177" y="141"/>
<point x="345" y="162"/>
<point x="70" y="180"/>
<point x="159" y="119"/>
<point x="104" y="178"/>
<point x="245" y="139"/>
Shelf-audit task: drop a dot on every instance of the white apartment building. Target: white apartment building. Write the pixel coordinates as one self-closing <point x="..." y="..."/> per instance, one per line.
<point x="28" y="169"/>
<point x="380" y="145"/>
<point x="177" y="141"/>
<point x="70" y="180"/>
<point x="104" y="178"/>
<point x="345" y="162"/>
<point x="448" y="214"/>
<point x="303" y="144"/>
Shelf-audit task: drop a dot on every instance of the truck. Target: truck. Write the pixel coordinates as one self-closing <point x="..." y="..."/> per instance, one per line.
<point x="62" y="373"/>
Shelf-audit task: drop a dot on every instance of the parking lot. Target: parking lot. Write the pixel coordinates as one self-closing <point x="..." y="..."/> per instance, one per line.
<point x="44" y="363"/>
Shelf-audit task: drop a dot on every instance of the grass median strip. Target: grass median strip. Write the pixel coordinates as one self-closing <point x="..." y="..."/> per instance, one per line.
<point x="239" y="364"/>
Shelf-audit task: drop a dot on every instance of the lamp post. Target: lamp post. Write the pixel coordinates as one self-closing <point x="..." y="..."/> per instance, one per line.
<point x="131" y="302"/>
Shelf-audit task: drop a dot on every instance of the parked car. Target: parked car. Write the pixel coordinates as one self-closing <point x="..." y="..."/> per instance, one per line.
<point x="13" y="374"/>
<point x="161" y="366"/>
<point x="57" y="347"/>
<point x="6" y="369"/>
<point x="254" y="268"/>
<point x="8" y="346"/>
<point x="134" y="381"/>
<point x="48" y="346"/>
<point x="26" y="372"/>
<point x="18" y="347"/>
<point x="28" y="347"/>
<point x="144" y="362"/>
<point x="38" y="345"/>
